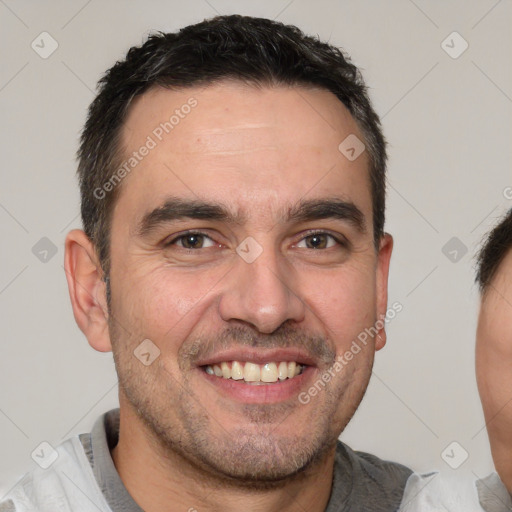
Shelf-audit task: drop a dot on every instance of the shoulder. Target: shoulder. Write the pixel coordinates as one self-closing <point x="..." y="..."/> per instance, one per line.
<point x="493" y="494"/>
<point x="451" y="491"/>
<point x="365" y="482"/>
<point x="64" y="482"/>
<point x="373" y="470"/>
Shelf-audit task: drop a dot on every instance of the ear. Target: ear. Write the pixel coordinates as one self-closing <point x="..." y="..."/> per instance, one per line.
<point x="383" y="260"/>
<point x="87" y="290"/>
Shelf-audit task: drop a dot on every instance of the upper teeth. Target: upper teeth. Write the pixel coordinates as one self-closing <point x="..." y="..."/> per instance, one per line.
<point x="251" y="372"/>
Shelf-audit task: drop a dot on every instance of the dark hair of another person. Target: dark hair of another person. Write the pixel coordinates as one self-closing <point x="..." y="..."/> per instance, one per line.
<point x="255" y="51"/>
<point x="493" y="251"/>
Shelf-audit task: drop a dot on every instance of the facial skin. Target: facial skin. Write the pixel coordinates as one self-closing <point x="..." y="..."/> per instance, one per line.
<point x="258" y="153"/>
<point x="493" y="367"/>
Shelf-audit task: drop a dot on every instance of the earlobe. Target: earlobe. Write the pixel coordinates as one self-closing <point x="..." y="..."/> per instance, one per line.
<point x="87" y="289"/>
<point x="383" y="261"/>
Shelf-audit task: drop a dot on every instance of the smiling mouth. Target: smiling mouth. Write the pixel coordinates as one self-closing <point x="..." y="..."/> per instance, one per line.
<point x="255" y="374"/>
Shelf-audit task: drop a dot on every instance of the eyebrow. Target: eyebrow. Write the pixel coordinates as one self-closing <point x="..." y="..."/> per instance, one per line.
<point x="176" y="208"/>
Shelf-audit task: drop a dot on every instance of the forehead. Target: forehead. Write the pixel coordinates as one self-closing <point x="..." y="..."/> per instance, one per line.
<point x="256" y="145"/>
<point x="232" y="105"/>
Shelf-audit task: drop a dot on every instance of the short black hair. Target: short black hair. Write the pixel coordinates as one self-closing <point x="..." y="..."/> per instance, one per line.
<point x="494" y="249"/>
<point x="255" y="51"/>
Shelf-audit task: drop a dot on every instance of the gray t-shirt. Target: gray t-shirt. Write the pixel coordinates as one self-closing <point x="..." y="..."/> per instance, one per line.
<point x="361" y="482"/>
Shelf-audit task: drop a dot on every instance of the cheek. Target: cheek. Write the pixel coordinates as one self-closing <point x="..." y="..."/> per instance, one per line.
<point x="163" y="304"/>
<point x="494" y="356"/>
<point x="344" y="301"/>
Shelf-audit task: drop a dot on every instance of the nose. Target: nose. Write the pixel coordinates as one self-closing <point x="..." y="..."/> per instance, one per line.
<point x="264" y="293"/>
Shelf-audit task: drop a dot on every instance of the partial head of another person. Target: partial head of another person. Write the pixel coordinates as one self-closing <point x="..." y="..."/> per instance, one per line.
<point x="494" y="342"/>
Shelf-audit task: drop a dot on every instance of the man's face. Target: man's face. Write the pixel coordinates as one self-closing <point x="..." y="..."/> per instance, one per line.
<point x="279" y="278"/>
<point x="493" y="365"/>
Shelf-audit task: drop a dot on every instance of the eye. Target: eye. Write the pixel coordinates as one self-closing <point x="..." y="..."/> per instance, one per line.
<point x="319" y="240"/>
<point x="192" y="240"/>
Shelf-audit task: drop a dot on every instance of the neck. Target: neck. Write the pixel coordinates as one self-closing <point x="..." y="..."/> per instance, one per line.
<point x="155" y="479"/>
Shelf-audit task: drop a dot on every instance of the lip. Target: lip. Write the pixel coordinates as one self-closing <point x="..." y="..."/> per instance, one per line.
<point x="267" y="393"/>
<point x="260" y="356"/>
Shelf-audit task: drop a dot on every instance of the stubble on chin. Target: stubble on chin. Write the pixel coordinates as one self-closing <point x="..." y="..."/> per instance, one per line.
<point x="265" y="447"/>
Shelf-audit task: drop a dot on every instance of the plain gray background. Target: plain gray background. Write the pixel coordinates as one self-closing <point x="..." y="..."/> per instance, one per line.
<point x="448" y="123"/>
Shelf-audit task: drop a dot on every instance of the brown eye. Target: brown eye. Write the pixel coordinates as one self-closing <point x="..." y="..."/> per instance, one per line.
<point x="192" y="241"/>
<point x="319" y="241"/>
<point x="316" y="242"/>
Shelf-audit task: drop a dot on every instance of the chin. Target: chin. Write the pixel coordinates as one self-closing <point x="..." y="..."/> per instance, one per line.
<point x="261" y="463"/>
